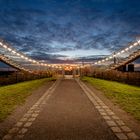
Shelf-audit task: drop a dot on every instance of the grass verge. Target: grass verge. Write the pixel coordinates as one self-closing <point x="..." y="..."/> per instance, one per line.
<point x="13" y="95"/>
<point x="127" y="96"/>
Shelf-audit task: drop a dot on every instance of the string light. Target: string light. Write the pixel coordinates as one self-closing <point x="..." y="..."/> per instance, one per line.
<point x="122" y="51"/>
<point x="20" y="55"/>
<point x="43" y="64"/>
<point x="13" y="52"/>
<point x="135" y="44"/>
<point x="126" y="49"/>
<point x="4" y="46"/>
<point x="130" y="47"/>
<point x="1" y="43"/>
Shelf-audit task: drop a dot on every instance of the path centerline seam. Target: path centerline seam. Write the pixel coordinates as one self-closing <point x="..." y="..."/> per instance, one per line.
<point x="21" y="127"/>
<point x="118" y="127"/>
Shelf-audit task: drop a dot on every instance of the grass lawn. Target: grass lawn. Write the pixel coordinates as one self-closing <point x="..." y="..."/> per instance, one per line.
<point x="127" y="96"/>
<point x="13" y="95"/>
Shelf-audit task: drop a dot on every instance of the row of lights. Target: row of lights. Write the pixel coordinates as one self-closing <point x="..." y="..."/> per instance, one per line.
<point x="29" y="59"/>
<point x="54" y="66"/>
<point x="25" y="57"/>
<point x="15" y="65"/>
<point x="120" y="52"/>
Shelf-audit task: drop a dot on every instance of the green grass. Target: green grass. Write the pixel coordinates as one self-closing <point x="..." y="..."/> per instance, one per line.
<point x="13" y="95"/>
<point x="127" y="96"/>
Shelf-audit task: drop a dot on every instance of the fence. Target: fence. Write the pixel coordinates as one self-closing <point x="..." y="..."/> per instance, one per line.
<point x="16" y="77"/>
<point x="113" y="75"/>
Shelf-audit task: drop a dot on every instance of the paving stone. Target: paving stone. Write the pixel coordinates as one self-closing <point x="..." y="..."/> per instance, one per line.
<point x="31" y="119"/>
<point x="103" y="113"/>
<point x="132" y="135"/>
<point x="23" y="119"/>
<point x="101" y="110"/>
<point x="7" y="137"/>
<point x="35" y="115"/>
<point x="97" y="106"/>
<point x="116" y="129"/>
<point x="121" y="136"/>
<point x="28" y="124"/>
<point x="33" y="107"/>
<point x="13" y="130"/>
<point x="104" y="107"/>
<point x="38" y="108"/>
<point x="110" y="113"/>
<point x="37" y="103"/>
<point x="30" y="111"/>
<point x="37" y="111"/>
<point x="120" y="122"/>
<point x="111" y="123"/>
<point x="23" y="131"/>
<point x="27" y="115"/>
<point x="108" y="110"/>
<point x="95" y="103"/>
<point x="106" y="117"/>
<point x="102" y="104"/>
<point x="98" y="99"/>
<point x="99" y="103"/>
<point x="125" y="129"/>
<point x="115" y="117"/>
<point x="19" y="124"/>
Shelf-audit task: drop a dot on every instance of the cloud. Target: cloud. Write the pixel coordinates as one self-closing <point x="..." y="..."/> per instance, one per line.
<point x="38" y="26"/>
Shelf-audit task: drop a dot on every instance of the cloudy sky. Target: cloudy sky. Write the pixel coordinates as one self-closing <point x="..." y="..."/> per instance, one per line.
<point x="69" y="29"/>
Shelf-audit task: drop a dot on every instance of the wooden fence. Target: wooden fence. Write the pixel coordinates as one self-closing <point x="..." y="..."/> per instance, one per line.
<point x="22" y="76"/>
<point x="113" y="75"/>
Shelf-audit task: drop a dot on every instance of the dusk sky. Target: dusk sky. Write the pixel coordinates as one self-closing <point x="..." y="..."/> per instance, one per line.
<point x="68" y="29"/>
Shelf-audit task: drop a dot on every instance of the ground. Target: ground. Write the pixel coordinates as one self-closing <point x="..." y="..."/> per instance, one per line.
<point x="64" y="112"/>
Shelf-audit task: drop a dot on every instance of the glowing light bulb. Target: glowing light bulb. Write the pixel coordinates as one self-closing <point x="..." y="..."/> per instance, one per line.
<point x="4" y="46"/>
<point x="9" y="49"/>
<point x="1" y="43"/>
<point x="135" y="44"/>
<point x="122" y="51"/>
<point x="130" y="47"/>
<point x="13" y="52"/>
<point x="126" y="49"/>
<point x="18" y="54"/>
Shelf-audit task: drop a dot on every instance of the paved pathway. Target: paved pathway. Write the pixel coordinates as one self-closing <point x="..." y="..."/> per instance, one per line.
<point x="65" y="112"/>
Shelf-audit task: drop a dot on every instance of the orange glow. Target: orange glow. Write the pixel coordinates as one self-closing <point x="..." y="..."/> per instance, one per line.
<point x="69" y="68"/>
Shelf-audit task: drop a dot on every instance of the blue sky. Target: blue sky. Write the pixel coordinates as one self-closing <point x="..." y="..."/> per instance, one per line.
<point x="69" y="29"/>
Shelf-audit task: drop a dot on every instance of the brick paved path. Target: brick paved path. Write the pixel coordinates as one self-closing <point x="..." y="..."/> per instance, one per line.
<point x="65" y="112"/>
